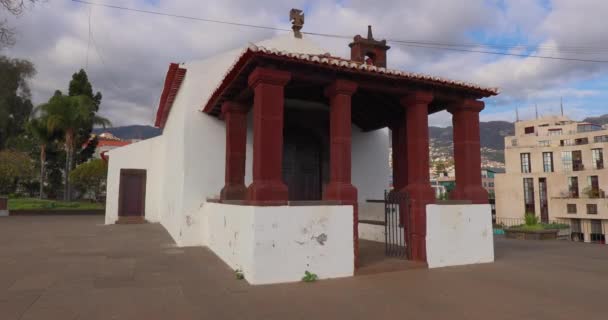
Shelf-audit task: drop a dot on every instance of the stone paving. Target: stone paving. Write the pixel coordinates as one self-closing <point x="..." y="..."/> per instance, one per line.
<point x="77" y="268"/>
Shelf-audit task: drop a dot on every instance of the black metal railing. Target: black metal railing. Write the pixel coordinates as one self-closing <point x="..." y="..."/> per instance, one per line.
<point x="396" y="209"/>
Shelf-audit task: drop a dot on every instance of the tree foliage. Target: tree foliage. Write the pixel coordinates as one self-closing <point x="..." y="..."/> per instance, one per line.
<point x="15" y="166"/>
<point x="69" y="114"/>
<point x="89" y="178"/>
<point x="80" y="86"/>
<point x="15" y="104"/>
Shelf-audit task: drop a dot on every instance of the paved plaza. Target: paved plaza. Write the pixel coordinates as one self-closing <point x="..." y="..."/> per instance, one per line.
<point x="77" y="268"/>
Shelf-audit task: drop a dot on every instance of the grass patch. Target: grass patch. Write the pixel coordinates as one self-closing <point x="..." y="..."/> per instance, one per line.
<point x="37" y="204"/>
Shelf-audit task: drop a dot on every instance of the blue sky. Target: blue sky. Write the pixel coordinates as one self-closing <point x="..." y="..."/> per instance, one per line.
<point x="129" y="52"/>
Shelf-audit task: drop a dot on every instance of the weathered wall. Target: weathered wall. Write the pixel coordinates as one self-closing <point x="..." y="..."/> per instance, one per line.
<point x="141" y="155"/>
<point x="278" y="244"/>
<point x="459" y="235"/>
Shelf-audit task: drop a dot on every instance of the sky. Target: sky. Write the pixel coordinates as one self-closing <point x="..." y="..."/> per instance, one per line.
<point x="128" y="53"/>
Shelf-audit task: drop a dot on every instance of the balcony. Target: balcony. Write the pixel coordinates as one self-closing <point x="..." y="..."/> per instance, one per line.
<point x="578" y="166"/>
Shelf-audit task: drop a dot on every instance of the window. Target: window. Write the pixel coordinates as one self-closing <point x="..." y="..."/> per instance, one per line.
<point x="567" y="160"/>
<point x="528" y="130"/>
<point x="571" y="208"/>
<point x="587" y="127"/>
<point x="573" y="187"/>
<point x="529" y="195"/>
<point x="598" y="158"/>
<point x="525" y="162"/>
<point x="577" y="161"/>
<point x="576" y="234"/>
<point x="555" y="132"/>
<point x="603" y="138"/>
<point x="591" y="208"/>
<point x="566" y="142"/>
<point x="581" y="141"/>
<point x="594" y="187"/>
<point x="544" y="143"/>
<point x="548" y="161"/>
<point x="597" y="232"/>
<point x="491" y="184"/>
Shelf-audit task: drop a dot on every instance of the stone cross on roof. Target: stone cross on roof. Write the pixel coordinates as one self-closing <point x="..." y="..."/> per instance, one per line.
<point x="296" y="16"/>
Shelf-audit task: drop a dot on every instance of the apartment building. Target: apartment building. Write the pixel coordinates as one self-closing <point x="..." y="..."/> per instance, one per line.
<point x="555" y="168"/>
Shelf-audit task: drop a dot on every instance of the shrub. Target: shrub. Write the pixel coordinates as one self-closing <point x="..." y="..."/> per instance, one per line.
<point x="90" y="177"/>
<point x="14" y="167"/>
<point x="309" y="277"/>
<point x="531" y="219"/>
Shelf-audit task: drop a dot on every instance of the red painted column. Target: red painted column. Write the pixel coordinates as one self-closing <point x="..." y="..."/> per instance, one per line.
<point x="418" y="182"/>
<point x="268" y="187"/>
<point x="235" y="116"/>
<point x="467" y="152"/>
<point x="340" y="187"/>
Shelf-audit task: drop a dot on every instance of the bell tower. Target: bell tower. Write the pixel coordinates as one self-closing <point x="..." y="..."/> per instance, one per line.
<point x="368" y="50"/>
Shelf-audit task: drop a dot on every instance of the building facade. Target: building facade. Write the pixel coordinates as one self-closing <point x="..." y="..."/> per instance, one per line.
<point x="269" y="151"/>
<point x="555" y="169"/>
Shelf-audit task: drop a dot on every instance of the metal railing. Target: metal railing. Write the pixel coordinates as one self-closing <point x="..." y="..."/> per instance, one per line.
<point x="579" y="230"/>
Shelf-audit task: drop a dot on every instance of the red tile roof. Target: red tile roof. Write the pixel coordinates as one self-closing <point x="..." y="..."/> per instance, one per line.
<point x="173" y="81"/>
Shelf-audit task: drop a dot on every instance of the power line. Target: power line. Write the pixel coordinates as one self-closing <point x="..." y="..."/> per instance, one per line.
<point x="407" y="43"/>
<point x="92" y="39"/>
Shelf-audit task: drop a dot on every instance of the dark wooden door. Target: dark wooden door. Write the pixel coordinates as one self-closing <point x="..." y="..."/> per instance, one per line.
<point x="132" y="193"/>
<point x="544" y="203"/>
<point x="302" y="166"/>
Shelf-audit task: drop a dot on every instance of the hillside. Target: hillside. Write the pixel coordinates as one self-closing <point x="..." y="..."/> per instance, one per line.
<point x="139" y="132"/>
<point x="597" y="120"/>
<point x="492" y="141"/>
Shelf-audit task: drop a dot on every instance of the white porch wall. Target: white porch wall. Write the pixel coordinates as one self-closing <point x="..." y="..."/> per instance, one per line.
<point x="141" y="155"/>
<point x="459" y="235"/>
<point x="370" y="166"/>
<point x="278" y="244"/>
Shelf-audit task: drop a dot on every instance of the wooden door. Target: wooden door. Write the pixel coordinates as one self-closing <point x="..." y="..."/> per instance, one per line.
<point x="132" y="193"/>
<point x="302" y="167"/>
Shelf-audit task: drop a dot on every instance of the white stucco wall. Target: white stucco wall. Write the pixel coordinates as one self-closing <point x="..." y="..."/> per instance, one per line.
<point x="278" y="244"/>
<point x="459" y="235"/>
<point x="370" y="166"/>
<point x="141" y="155"/>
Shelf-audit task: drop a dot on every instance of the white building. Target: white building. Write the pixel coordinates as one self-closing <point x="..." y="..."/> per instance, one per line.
<point x="261" y="117"/>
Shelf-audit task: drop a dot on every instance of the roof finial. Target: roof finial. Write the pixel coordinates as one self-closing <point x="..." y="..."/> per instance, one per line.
<point x="516" y="114"/>
<point x="536" y="110"/>
<point x="296" y="16"/>
<point x="561" y="105"/>
<point x="370" y="36"/>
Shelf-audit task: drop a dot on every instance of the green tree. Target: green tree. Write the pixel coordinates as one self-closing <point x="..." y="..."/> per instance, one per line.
<point x="15" y="166"/>
<point x="39" y="130"/>
<point x="80" y="86"/>
<point x="89" y="178"/>
<point x="15" y="104"/>
<point x="69" y="114"/>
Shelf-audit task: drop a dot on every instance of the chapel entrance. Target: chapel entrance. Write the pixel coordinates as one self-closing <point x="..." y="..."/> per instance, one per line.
<point x="132" y="196"/>
<point x="302" y="165"/>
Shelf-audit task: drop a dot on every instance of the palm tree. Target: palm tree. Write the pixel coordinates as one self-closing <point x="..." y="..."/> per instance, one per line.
<point x="38" y="128"/>
<point x="68" y="114"/>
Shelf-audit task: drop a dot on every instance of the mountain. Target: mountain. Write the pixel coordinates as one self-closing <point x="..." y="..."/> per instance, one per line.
<point x="597" y="120"/>
<point x="138" y="132"/>
<point x="492" y="141"/>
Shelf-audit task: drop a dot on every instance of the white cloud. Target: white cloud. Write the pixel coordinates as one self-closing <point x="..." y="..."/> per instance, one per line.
<point x="137" y="48"/>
